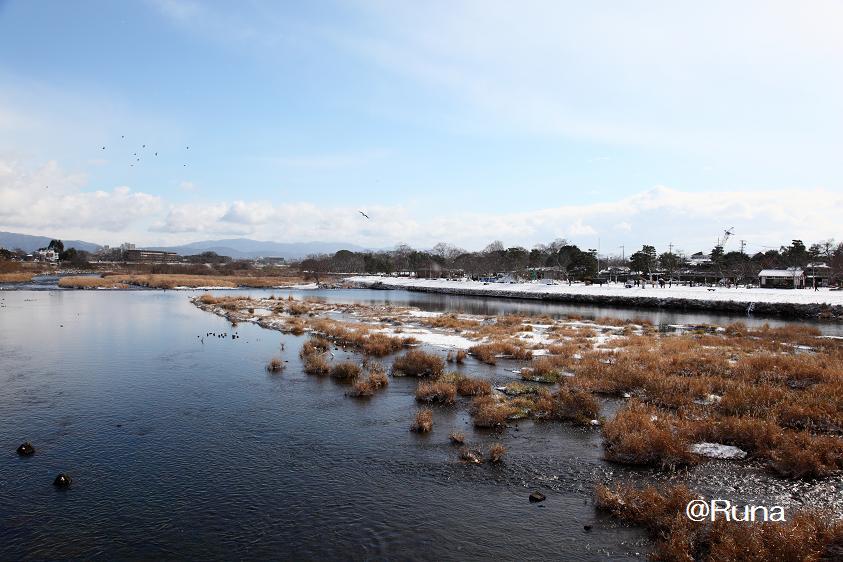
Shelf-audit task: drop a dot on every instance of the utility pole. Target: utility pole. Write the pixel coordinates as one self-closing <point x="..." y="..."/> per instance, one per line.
<point x="743" y="245"/>
<point x="670" y="247"/>
<point x="623" y="255"/>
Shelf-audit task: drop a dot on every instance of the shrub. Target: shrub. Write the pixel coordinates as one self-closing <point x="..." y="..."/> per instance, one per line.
<point x="297" y="308"/>
<point x="566" y="404"/>
<point x="468" y="386"/>
<point x="419" y="363"/>
<point x="457" y="356"/>
<point x="442" y="392"/>
<point x="378" y="379"/>
<point x="642" y="435"/>
<point x="380" y="345"/>
<point x="488" y="352"/>
<point x="275" y="366"/>
<point x="496" y="452"/>
<point x="315" y="364"/>
<point x="488" y="411"/>
<point x="804" y="536"/>
<point x="803" y="455"/>
<point x="361" y="389"/>
<point x="316" y="344"/>
<point x="423" y="421"/>
<point x="345" y="371"/>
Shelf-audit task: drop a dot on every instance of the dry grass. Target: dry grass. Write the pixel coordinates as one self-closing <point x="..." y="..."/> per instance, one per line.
<point x="490" y="352"/>
<point x="359" y="336"/>
<point x="568" y="404"/>
<point x="457" y="356"/>
<point x="436" y="392"/>
<point x="171" y="281"/>
<point x="314" y="344"/>
<point x="457" y="438"/>
<point x="490" y="412"/>
<point x="90" y="282"/>
<point x="346" y="371"/>
<point x="18" y="277"/>
<point x="419" y="364"/>
<point x="496" y="452"/>
<point x="547" y="368"/>
<point x="805" y="536"/>
<point x="641" y="435"/>
<point x="423" y="421"/>
<point x="275" y="365"/>
<point x="316" y="364"/>
<point x="450" y="322"/>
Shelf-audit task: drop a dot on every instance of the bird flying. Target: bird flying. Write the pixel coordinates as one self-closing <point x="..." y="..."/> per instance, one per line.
<point x="364" y="214"/>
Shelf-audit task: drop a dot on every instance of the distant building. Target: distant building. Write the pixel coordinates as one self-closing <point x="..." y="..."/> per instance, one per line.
<point x="150" y="256"/>
<point x="46" y="255"/>
<point x="817" y="271"/>
<point x="790" y="278"/>
<point x="125" y="246"/>
<point x="699" y="259"/>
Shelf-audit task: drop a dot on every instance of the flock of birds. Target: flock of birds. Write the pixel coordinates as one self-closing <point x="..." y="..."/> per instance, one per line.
<point x="234" y="336"/>
<point x="137" y="158"/>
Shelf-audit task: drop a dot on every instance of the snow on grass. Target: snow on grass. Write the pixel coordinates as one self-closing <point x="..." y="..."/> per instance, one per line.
<point x="793" y="296"/>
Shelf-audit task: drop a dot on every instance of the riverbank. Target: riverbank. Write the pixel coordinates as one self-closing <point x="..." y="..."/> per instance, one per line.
<point x="805" y="304"/>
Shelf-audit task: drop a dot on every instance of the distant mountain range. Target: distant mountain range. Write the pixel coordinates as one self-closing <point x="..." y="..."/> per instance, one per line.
<point x="245" y="248"/>
<point x="238" y="248"/>
<point x="27" y="243"/>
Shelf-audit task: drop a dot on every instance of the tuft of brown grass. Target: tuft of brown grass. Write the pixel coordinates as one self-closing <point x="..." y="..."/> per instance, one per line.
<point x="378" y="379"/>
<point x="496" y="452"/>
<point x="275" y="365"/>
<point x="457" y="438"/>
<point x="297" y="308"/>
<point x="806" y="535"/>
<point x="569" y="404"/>
<point x="489" y="412"/>
<point x="315" y="344"/>
<point x="642" y="435"/>
<point x="419" y="363"/>
<point x="423" y="421"/>
<point x="490" y="352"/>
<point x="346" y="371"/>
<point x="457" y="356"/>
<point x="361" y="389"/>
<point x="315" y="364"/>
<point x="439" y="392"/>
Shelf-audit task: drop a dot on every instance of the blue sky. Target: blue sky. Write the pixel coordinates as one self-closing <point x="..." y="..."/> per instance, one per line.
<point x="627" y="123"/>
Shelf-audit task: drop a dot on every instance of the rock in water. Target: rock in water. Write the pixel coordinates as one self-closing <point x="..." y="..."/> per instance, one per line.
<point x="537" y="497"/>
<point x="62" y="480"/>
<point x="26" y="449"/>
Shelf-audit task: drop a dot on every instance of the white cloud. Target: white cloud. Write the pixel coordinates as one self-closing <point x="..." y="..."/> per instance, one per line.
<point x="49" y="201"/>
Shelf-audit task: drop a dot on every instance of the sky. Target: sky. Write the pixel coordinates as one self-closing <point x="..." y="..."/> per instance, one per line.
<point x="608" y="124"/>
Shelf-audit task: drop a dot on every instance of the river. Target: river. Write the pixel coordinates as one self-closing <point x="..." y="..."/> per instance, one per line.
<point x="185" y="447"/>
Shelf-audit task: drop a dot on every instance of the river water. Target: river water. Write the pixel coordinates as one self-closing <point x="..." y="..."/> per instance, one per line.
<point x="183" y="447"/>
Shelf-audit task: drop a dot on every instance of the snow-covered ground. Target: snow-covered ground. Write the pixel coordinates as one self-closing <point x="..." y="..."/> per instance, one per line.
<point x="756" y="295"/>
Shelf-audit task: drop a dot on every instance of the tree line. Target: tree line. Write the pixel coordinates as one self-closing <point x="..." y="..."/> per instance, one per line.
<point x="571" y="262"/>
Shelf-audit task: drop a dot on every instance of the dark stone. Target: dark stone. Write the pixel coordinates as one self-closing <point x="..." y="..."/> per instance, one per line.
<point x="587" y="527"/>
<point x="26" y="449"/>
<point x="62" y="480"/>
<point x="537" y="497"/>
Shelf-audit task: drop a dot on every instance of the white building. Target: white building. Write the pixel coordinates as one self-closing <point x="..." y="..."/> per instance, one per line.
<point x="790" y="278"/>
<point x="46" y="255"/>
